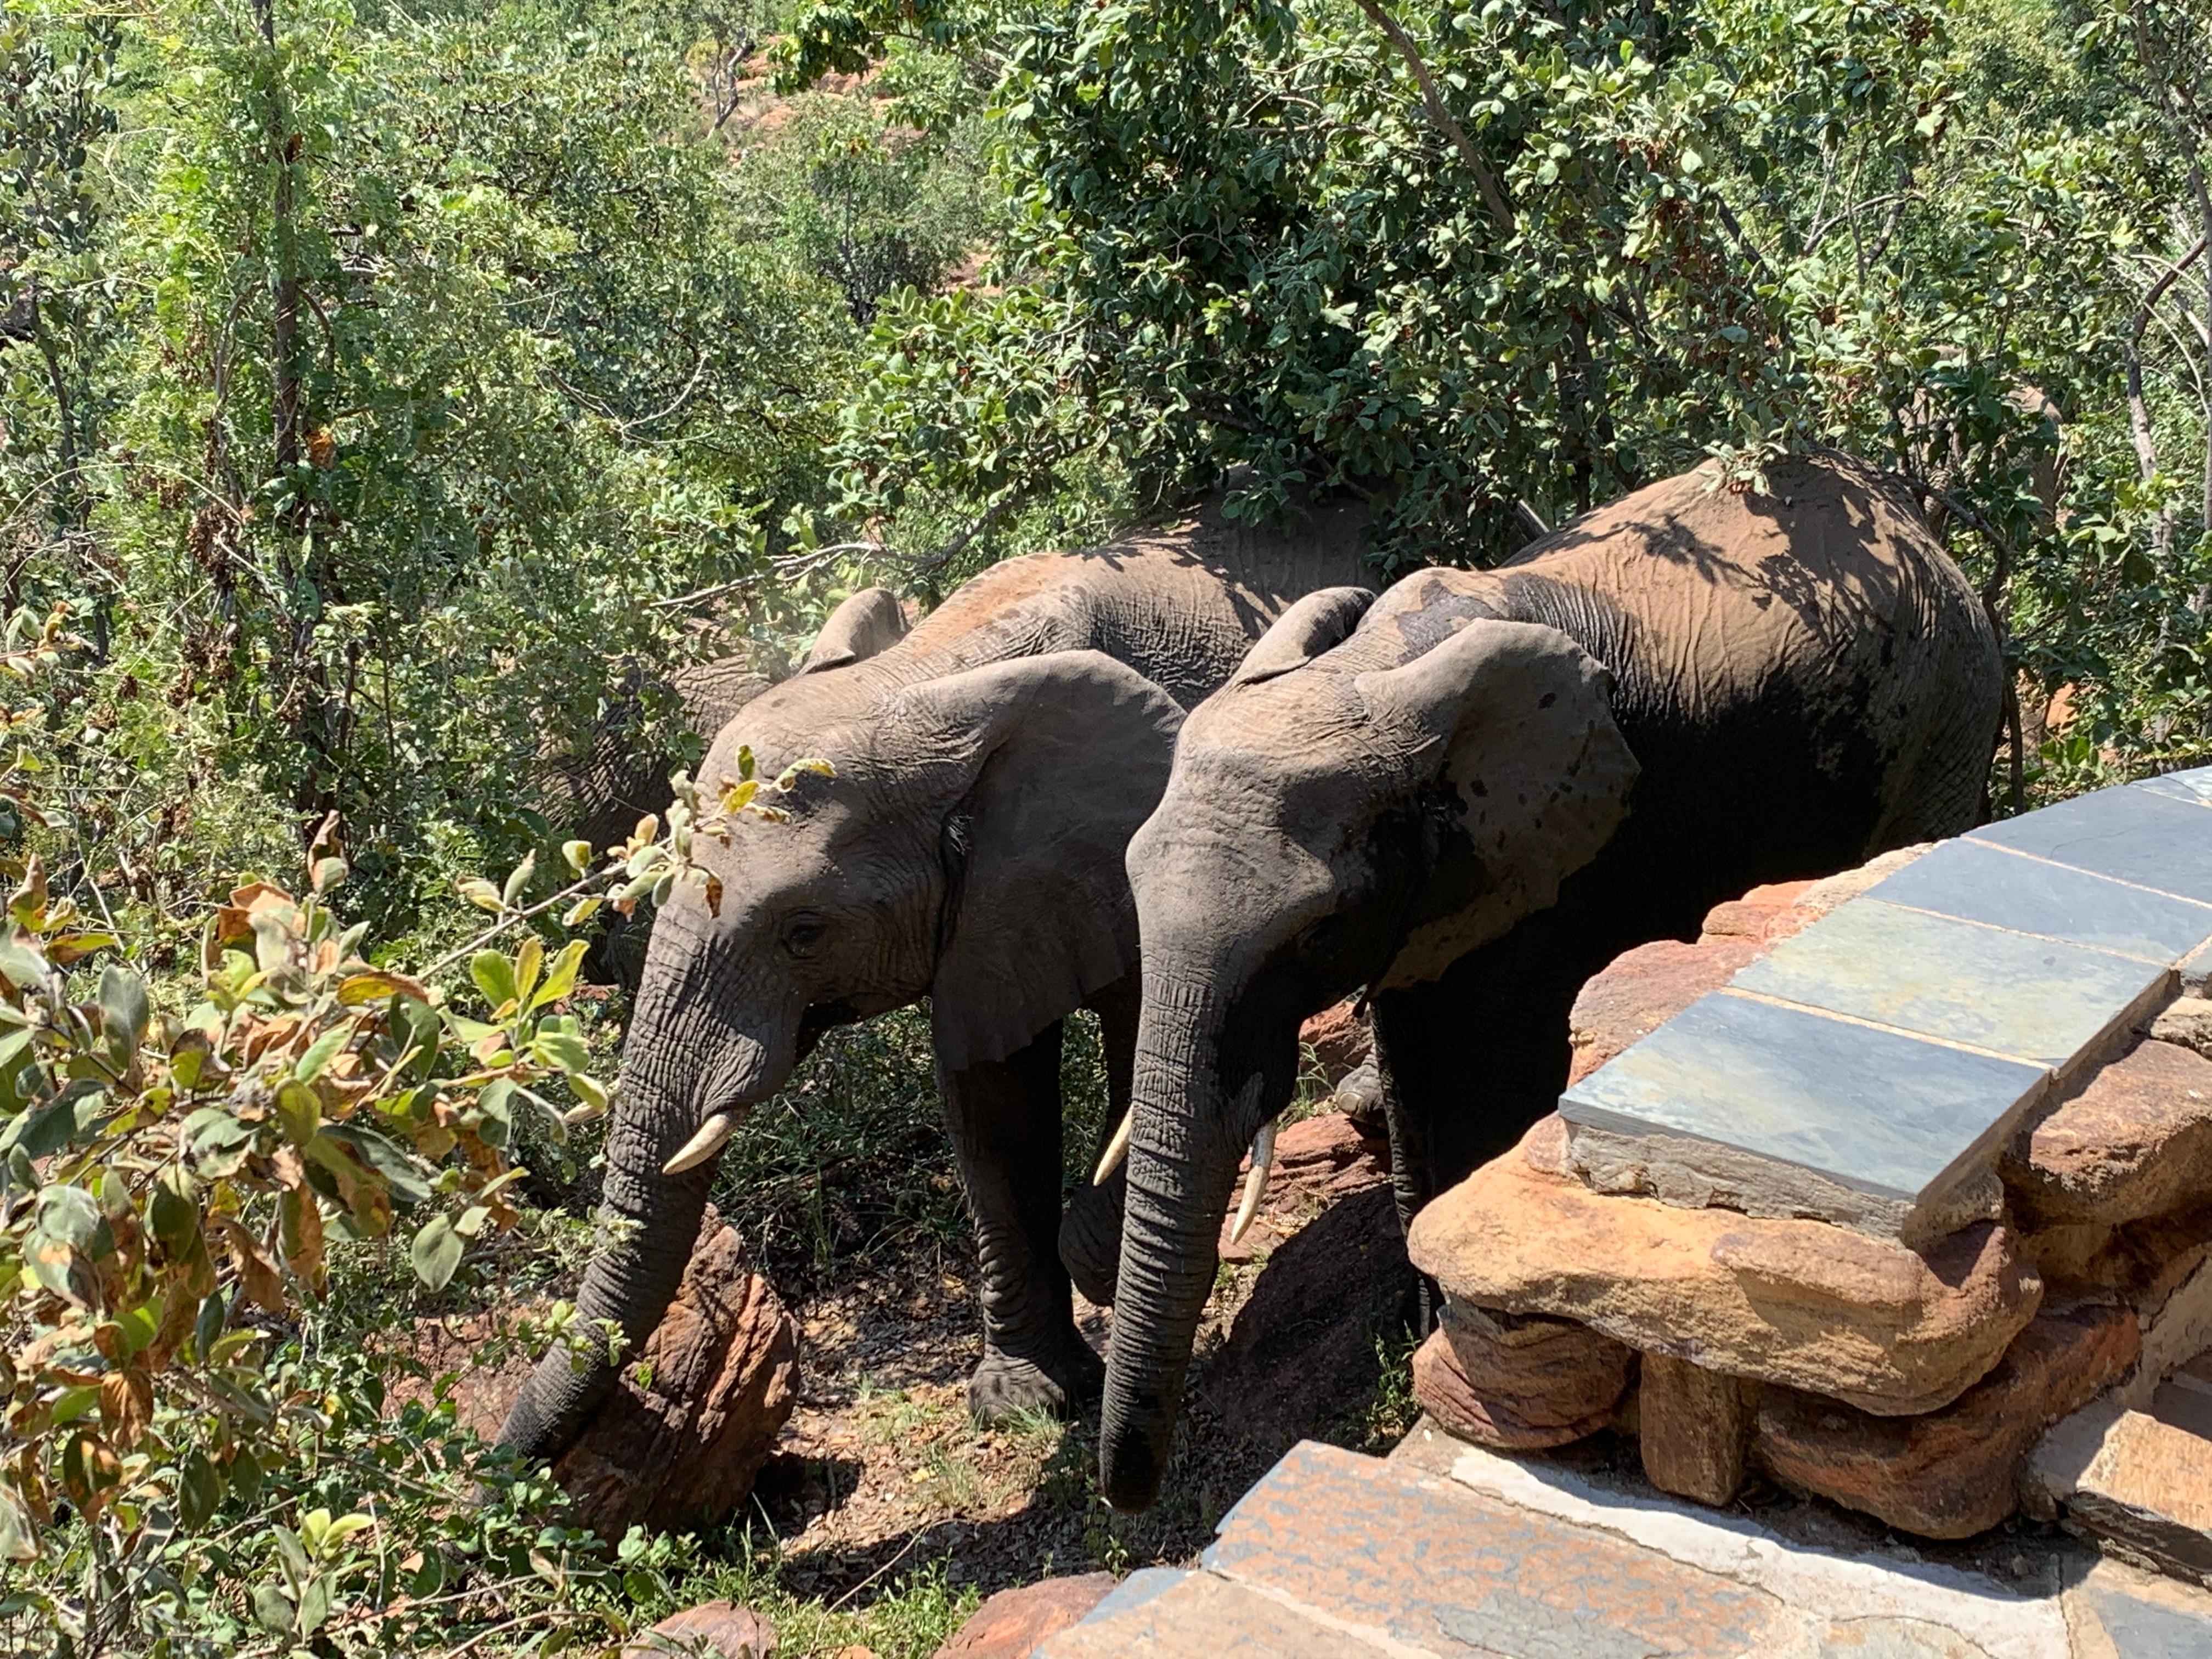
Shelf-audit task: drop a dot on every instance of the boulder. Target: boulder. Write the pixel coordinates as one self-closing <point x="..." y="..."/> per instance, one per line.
<point x="1895" y="1331"/>
<point x="712" y="1630"/>
<point x="1519" y="1382"/>
<point x="1011" y="1623"/>
<point x="2134" y="1140"/>
<point x="1642" y="989"/>
<point x="1767" y="913"/>
<point x="1340" y="1039"/>
<point x="2125" y="1477"/>
<point x="1329" y="1156"/>
<point x="680" y="1448"/>
<point x="1950" y="1474"/>
<point x="1318" y="1161"/>
<point x="2186" y="1021"/>
<point x="1694" y="1428"/>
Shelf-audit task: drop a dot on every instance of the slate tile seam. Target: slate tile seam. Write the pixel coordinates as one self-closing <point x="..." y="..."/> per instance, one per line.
<point x="2049" y="939"/>
<point x="1371" y="1635"/>
<point x="1975" y="837"/>
<point x="1927" y="1037"/>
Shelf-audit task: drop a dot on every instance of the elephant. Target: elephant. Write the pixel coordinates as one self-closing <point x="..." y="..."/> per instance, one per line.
<point x="1469" y="794"/>
<point x="987" y="768"/>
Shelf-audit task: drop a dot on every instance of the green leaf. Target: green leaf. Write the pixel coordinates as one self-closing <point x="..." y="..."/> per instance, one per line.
<point x="22" y="962"/>
<point x="207" y="1327"/>
<point x="371" y="1149"/>
<point x="577" y="854"/>
<point x="518" y="878"/>
<point x="560" y="979"/>
<point x="314" y="1604"/>
<point x="321" y="1051"/>
<point x="481" y="894"/>
<point x="137" y="1326"/>
<point x="529" y="960"/>
<point x="174" y="1216"/>
<point x="495" y="976"/>
<point x="299" y="1110"/>
<point x="273" y="1608"/>
<point x="124" y="1010"/>
<point x="498" y="1118"/>
<point x="69" y="1213"/>
<point x="200" y="1490"/>
<point x="436" y="1252"/>
<point x="564" y="1051"/>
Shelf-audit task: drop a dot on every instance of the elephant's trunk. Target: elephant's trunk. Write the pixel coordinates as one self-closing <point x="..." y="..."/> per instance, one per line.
<point x="1183" y="1155"/>
<point x="631" y="1282"/>
<point x="654" y="1219"/>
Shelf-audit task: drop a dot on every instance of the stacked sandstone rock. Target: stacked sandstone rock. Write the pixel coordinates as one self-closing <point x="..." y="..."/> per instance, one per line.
<point x="1907" y="1384"/>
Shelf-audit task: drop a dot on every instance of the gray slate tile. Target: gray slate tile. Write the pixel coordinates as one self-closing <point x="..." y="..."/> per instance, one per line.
<point x="2192" y="786"/>
<point x="2139" y="1628"/>
<point x="1976" y="882"/>
<point x="2034" y="999"/>
<point x="1138" y="1587"/>
<point x="1874" y="1110"/>
<point x="2137" y="833"/>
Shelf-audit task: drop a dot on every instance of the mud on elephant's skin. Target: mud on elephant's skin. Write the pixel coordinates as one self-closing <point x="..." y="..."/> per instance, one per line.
<point x="989" y="767"/>
<point x="1470" y="794"/>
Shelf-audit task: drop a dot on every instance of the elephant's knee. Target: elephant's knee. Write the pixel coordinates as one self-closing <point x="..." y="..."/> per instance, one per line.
<point x="1090" y="1240"/>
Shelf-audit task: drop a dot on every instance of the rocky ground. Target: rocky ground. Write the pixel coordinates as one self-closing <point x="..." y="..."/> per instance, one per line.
<point x="879" y="1470"/>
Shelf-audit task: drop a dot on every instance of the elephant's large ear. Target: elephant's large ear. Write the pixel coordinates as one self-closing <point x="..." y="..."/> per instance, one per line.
<point x="1062" y="758"/>
<point x="1317" y="622"/>
<point x="1516" y="719"/>
<point x="865" y="623"/>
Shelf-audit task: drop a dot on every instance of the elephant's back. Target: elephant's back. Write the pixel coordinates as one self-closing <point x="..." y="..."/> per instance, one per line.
<point x="1807" y="652"/>
<point x="1181" y="603"/>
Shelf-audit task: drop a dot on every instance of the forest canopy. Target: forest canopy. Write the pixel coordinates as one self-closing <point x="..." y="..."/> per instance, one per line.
<point x="398" y="401"/>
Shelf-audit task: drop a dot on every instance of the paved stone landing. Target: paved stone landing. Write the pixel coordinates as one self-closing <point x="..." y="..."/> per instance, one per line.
<point x="1867" y="1070"/>
<point x="1460" y="1554"/>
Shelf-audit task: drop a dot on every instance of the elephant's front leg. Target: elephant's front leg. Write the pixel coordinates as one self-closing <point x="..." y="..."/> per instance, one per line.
<point x="1005" y="1120"/>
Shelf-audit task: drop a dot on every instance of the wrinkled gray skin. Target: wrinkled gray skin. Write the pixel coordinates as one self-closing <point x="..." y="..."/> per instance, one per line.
<point x="991" y="765"/>
<point x="1470" y="794"/>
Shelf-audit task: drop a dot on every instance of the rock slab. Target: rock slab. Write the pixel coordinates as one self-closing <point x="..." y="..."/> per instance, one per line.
<point x="1694" y="1426"/>
<point x="1950" y="1474"/>
<point x="2134" y="1140"/>
<point x="1011" y="1623"/>
<point x="712" y="1630"/>
<point x="1519" y="1382"/>
<point x="681" y="1449"/>
<point x="2129" y="1479"/>
<point x="1893" y="1331"/>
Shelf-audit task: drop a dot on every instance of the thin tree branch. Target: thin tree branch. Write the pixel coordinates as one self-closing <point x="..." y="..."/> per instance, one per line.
<point x="1494" y="197"/>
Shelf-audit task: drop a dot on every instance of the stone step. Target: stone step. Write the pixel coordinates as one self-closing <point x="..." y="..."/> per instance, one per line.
<point x="1198" y="1615"/>
<point x="1452" y="1553"/>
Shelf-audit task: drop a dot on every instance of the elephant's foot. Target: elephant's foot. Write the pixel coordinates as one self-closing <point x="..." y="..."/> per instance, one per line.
<point x="1005" y="1387"/>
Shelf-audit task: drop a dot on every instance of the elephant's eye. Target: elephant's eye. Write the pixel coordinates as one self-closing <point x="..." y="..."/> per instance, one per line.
<point x="803" y="934"/>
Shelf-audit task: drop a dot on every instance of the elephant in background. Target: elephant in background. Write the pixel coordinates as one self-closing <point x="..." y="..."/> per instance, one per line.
<point x="990" y="766"/>
<point x="1469" y="795"/>
<point x="622" y="774"/>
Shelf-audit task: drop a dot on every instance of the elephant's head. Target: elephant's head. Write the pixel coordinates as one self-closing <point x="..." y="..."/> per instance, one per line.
<point x="968" y="844"/>
<point x="1375" y="793"/>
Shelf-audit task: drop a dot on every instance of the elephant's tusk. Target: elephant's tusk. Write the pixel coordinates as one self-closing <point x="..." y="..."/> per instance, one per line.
<point x="704" y="1144"/>
<point x="1255" y="1183"/>
<point x="1116" y="1148"/>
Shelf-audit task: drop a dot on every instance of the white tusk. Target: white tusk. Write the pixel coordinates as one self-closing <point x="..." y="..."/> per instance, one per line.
<point x="704" y="1144"/>
<point x="1255" y="1183"/>
<point x="1116" y="1148"/>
